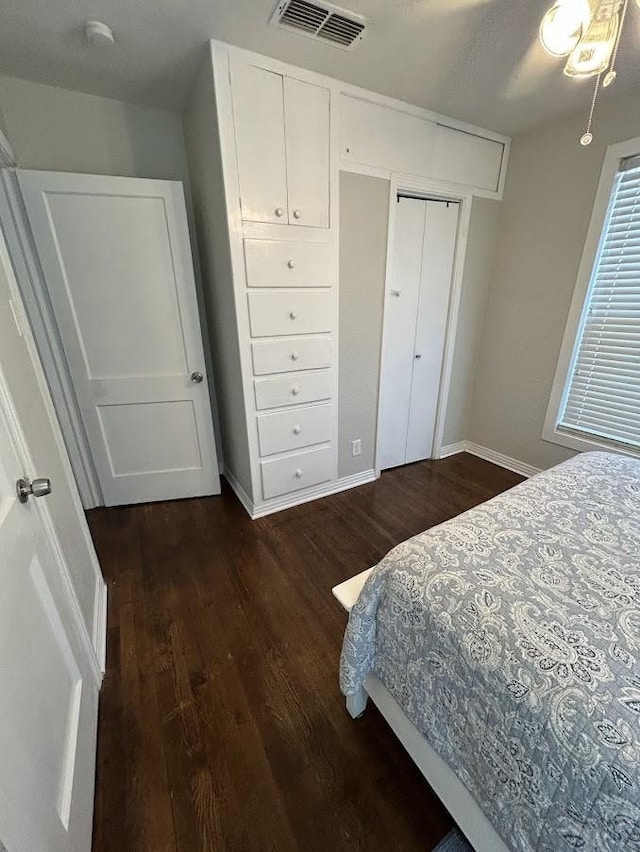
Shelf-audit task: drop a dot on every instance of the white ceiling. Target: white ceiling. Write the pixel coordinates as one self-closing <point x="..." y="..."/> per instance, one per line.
<point x="477" y="60"/>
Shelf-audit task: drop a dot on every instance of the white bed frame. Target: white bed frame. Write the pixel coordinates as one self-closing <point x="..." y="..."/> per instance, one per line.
<point x="450" y="790"/>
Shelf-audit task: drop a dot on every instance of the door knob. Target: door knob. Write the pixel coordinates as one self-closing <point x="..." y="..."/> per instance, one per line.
<point x="418" y="357"/>
<point x="196" y="377"/>
<point x="36" y="488"/>
<point x="291" y="264"/>
<point x="396" y="292"/>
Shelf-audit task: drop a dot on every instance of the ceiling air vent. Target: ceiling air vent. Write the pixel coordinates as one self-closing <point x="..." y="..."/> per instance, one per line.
<point x="320" y="21"/>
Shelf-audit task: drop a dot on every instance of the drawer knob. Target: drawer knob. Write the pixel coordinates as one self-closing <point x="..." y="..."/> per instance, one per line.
<point x="295" y="390"/>
<point x="293" y="315"/>
<point x="297" y="214"/>
<point x="294" y="356"/>
<point x="291" y="264"/>
<point x="279" y="212"/>
<point x="299" y="473"/>
<point x="297" y="430"/>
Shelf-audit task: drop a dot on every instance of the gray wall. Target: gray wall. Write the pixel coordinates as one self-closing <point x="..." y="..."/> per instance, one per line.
<point x="483" y="230"/>
<point x="59" y="130"/>
<point x="549" y="194"/>
<point x="364" y="212"/>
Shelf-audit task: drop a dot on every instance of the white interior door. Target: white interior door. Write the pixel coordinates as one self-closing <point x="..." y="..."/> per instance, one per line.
<point x="258" y="117"/>
<point x="48" y="690"/>
<point x="415" y="328"/>
<point x="116" y="260"/>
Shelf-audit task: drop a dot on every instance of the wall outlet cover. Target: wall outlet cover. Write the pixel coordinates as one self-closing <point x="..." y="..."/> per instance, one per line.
<point x="356" y="447"/>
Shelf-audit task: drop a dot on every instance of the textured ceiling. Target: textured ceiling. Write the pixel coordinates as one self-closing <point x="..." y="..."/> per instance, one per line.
<point x="477" y="60"/>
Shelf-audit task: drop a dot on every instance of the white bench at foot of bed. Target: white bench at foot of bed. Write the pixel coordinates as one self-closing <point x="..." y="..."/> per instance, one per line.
<point x="468" y="816"/>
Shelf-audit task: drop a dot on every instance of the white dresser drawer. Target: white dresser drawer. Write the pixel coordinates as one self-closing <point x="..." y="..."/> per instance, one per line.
<point x="293" y="389"/>
<point x="276" y="263"/>
<point x="279" y="476"/>
<point x="290" y="430"/>
<point x="298" y="353"/>
<point x="297" y="312"/>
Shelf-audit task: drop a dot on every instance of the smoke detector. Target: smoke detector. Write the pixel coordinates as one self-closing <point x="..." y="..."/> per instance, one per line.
<point x="320" y="21"/>
<point x="99" y="34"/>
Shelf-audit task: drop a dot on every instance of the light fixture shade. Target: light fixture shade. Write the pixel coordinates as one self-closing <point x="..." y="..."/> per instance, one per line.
<point x="593" y="52"/>
<point x="563" y="25"/>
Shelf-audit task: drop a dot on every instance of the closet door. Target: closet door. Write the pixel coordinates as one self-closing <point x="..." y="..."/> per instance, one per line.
<point x="441" y="222"/>
<point x="306" y="109"/>
<point x="399" y="335"/>
<point x="258" y="115"/>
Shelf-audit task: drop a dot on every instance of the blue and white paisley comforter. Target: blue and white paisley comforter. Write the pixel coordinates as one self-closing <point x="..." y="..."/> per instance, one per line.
<point x="510" y="636"/>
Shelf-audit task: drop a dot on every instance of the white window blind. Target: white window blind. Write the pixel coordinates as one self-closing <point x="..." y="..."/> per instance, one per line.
<point x="602" y="397"/>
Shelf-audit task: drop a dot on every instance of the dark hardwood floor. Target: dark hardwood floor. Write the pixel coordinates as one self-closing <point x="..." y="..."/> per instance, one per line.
<point x="221" y="723"/>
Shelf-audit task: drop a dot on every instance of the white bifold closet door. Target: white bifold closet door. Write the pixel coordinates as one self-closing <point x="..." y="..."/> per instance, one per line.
<point x="415" y="328"/>
<point x="116" y="260"/>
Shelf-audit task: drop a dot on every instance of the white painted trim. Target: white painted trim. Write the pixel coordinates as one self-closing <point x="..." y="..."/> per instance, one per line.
<point x="489" y="455"/>
<point x="100" y="626"/>
<point x="40" y="506"/>
<point x="614" y="154"/>
<point x="500" y="459"/>
<point x="7" y="157"/>
<point x="450" y="192"/>
<point x="452" y="449"/>
<point x="288" y="501"/>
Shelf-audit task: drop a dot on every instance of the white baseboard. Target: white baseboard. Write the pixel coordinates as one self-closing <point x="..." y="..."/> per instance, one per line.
<point x="452" y="449"/>
<point x="268" y="507"/>
<point x="100" y="625"/>
<point x="490" y="455"/>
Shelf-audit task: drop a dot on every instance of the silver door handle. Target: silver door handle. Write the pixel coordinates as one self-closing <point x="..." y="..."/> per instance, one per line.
<point x="418" y="357"/>
<point x="196" y="377"/>
<point x="36" y="488"/>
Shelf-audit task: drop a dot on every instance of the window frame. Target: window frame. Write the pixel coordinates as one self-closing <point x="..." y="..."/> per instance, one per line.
<point x="550" y="431"/>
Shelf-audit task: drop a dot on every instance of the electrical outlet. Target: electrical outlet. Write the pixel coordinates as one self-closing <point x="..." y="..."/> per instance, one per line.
<point x="356" y="447"/>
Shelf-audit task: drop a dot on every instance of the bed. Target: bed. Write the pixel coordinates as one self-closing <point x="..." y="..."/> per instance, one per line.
<point x="503" y="647"/>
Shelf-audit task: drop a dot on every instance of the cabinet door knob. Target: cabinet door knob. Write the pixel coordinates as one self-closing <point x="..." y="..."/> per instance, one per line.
<point x="396" y="292"/>
<point x="294" y="356"/>
<point x="299" y="473"/>
<point x="418" y="357"/>
<point x="279" y="212"/>
<point x="295" y="390"/>
<point x="291" y="264"/>
<point x="297" y="214"/>
<point x="196" y="377"/>
<point x="293" y="315"/>
<point x="297" y="430"/>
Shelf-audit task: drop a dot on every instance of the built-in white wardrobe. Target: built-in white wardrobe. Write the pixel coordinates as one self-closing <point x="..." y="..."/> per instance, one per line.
<point x="265" y="143"/>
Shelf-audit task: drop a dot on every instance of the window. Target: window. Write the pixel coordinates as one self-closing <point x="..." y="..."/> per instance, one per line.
<point x="597" y="388"/>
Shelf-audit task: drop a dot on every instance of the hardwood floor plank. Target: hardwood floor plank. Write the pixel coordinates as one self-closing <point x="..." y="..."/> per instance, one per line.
<point x="221" y="723"/>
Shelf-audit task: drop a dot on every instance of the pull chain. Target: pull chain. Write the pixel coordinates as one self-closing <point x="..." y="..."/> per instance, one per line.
<point x="611" y="75"/>
<point x="587" y="136"/>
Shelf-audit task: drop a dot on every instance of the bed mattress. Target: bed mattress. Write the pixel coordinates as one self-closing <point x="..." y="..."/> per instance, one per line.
<point x="510" y="636"/>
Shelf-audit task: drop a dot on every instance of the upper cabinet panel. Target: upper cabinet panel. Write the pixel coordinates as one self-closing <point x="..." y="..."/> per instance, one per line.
<point x="306" y="112"/>
<point x="466" y="158"/>
<point x="258" y="116"/>
<point x="387" y="138"/>
<point x="383" y="137"/>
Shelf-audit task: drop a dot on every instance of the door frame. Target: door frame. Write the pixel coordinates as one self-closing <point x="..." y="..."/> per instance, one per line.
<point x="37" y="305"/>
<point x="426" y="188"/>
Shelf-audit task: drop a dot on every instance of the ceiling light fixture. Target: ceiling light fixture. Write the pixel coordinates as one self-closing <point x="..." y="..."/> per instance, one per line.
<point x="588" y="32"/>
<point x="99" y="34"/>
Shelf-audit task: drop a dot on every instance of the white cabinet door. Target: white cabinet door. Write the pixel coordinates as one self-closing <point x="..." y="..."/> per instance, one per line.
<point x="399" y="333"/>
<point x="415" y="328"/>
<point x="306" y="109"/>
<point x="48" y="687"/>
<point x="438" y="251"/>
<point x="258" y="116"/>
<point x="116" y="259"/>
